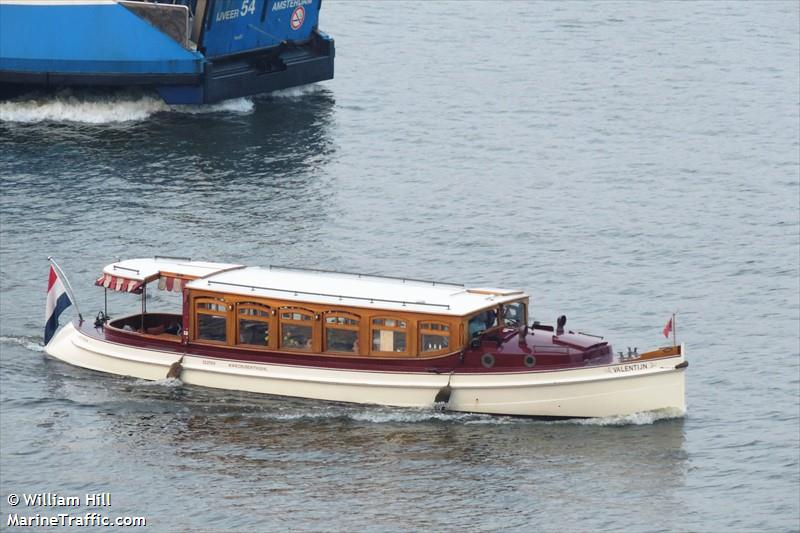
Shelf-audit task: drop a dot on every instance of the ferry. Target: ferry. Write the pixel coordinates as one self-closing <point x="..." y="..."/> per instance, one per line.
<point x="360" y="338"/>
<point x="190" y="51"/>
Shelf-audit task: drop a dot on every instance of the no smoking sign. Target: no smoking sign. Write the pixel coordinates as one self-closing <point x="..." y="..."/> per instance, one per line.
<point x="298" y="17"/>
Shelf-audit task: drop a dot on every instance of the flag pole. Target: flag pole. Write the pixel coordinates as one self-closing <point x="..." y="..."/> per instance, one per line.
<point x="67" y="286"/>
<point x="674" y="330"/>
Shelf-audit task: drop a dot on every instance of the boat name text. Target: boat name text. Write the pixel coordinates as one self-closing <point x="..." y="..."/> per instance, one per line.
<point x="280" y="5"/>
<point x="249" y="367"/>
<point x="248" y="8"/>
<point x="632" y="367"/>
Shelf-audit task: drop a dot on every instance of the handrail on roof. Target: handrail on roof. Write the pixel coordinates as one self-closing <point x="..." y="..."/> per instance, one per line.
<point x="117" y="267"/>
<point x="172" y="257"/>
<point x="360" y="275"/>
<point x="339" y="296"/>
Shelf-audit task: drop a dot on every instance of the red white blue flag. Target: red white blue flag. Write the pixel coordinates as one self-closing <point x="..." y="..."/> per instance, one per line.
<point x="57" y="301"/>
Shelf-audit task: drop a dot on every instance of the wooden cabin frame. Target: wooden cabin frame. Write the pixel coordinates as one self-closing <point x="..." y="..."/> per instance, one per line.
<point x="323" y="329"/>
<point x="316" y="312"/>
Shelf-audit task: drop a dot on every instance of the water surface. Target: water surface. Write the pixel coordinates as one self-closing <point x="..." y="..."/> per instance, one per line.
<point x="620" y="161"/>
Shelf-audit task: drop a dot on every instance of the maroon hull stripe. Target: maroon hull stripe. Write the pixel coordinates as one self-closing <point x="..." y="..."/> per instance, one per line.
<point x="505" y="359"/>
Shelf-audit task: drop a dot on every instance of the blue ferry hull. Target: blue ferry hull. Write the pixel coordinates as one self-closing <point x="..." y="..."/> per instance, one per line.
<point x="242" y="47"/>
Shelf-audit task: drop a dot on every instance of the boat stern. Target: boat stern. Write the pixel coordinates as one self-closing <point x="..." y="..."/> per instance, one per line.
<point x="258" y="71"/>
<point x="73" y="345"/>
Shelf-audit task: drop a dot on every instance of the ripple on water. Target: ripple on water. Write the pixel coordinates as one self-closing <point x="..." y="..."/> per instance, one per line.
<point x="32" y="344"/>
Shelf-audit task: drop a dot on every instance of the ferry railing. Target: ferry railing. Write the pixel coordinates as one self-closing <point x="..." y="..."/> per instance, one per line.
<point x="360" y="275"/>
<point x="326" y="295"/>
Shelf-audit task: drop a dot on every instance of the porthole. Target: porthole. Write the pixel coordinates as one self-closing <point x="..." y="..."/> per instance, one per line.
<point x="488" y="360"/>
<point x="529" y="360"/>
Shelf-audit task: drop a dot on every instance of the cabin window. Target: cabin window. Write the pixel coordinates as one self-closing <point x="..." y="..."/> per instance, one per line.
<point x="514" y="315"/>
<point x="297" y="328"/>
<point x="212" y="321"/>
<point x="434" y="337"/>
<point x="482" y="321"/>
<point x="212" y="306"/>
<point x="341" y="332"/>
<point x="253" y="323"/>
<point x="389" y="335"/>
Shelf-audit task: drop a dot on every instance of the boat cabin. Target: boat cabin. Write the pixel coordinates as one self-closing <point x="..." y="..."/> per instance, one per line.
<point x="303" y="311"/>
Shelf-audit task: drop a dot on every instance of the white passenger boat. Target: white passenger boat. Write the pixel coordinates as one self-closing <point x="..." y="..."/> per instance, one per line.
<point x="366" y="339"/>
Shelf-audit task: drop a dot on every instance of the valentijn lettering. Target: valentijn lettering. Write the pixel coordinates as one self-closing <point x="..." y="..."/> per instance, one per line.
<point x="630" y="367"/>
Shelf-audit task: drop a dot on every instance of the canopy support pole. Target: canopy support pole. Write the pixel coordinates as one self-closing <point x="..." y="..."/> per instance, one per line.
<point x="144" y="307"/>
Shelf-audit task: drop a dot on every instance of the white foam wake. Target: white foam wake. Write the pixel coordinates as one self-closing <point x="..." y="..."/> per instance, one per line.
<point x="169" y="383"/>
<point x="29" y="343"/>
<point x="388" y="415"/>
<point x="375" y="414"/>
<point x="236" y="105"/>
<point x="294" y="93"/>
<point x="97" y="108"/>
<point x="635" y="419"/>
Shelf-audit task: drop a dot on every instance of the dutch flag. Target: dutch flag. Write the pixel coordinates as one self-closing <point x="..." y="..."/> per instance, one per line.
<point x="57" y="301"/>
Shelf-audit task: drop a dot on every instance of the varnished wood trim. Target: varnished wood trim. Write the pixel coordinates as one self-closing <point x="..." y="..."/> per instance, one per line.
<point x="667" y="351"/>
<point x="269" y="320"/>
<point x="319" y="310"/>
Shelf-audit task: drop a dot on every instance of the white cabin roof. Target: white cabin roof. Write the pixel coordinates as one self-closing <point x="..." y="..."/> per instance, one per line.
<point x="357" y="290"/>
<point x="315" y="286"/>
<point x="151" y="268"/>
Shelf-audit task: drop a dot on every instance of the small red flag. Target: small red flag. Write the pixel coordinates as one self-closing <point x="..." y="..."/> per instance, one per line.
<point x="668" y="328"/>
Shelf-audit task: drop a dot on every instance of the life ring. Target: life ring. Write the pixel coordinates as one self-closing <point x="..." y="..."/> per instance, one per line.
<point x="488" y="360"/>
<point x="529" y="361"/>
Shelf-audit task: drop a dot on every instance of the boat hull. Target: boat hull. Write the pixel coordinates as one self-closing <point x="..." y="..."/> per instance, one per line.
<point x="46" y="45"/>
<point x="595" y="391"/>
<point x="87" y="40"/>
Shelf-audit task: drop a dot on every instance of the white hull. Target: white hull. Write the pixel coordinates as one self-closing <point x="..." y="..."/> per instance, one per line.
<point x="597" y="391"/>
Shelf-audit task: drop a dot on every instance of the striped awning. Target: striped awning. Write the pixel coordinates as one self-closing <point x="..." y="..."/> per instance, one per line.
<point x="118" y="283"/>
<point x="171" y="273"/>
<point x="169" y="283"/>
